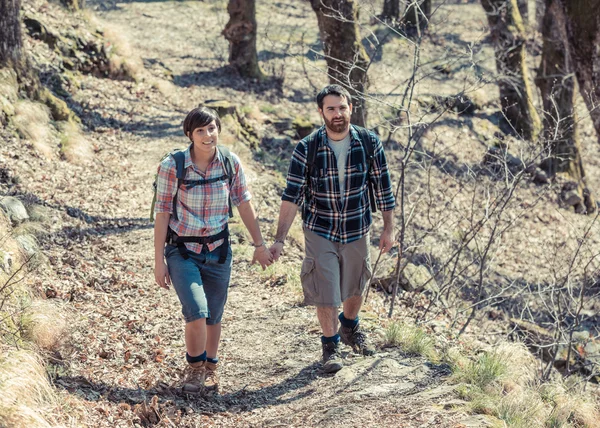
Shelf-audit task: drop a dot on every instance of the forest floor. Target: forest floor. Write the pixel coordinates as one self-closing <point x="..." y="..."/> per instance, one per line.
<point x="126" y="334"/>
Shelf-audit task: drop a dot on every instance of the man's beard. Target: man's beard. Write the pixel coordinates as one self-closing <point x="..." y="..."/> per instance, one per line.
<point x="336" y="125"/>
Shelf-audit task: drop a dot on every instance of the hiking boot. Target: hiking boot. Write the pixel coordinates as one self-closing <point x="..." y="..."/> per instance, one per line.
<point x="211" y="379"/>
<point x="193" y="381"/>
<point x="357" y="339"/>
<point x="332" y="359"/>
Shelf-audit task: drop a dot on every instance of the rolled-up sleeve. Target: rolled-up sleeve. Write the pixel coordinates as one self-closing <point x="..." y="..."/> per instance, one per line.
<point x="166" y="186"/>
<point x="380" y="175"/>
<point x="296" y="177"/>
<point x="239" y="189"/>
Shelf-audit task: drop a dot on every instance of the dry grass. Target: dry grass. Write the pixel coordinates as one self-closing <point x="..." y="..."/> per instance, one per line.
<point x="25" y="393"/>
<point x="124" y="63"/>
<point x="73" y="145"/>
<point x="411" y="339"/>
<point x="44" y="325"/>
<point x="32" y="121"/>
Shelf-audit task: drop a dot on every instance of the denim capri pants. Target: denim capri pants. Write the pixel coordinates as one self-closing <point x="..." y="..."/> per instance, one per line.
<point x="201" y="282"/>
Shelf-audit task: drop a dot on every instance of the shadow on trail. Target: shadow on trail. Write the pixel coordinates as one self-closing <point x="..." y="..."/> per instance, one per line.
<point x="241" y="400"/>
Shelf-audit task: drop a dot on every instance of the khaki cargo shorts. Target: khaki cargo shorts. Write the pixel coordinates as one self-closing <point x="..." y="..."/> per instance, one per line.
<point x="332" y="272"/>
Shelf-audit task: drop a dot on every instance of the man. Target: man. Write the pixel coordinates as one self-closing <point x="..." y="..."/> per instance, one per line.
<point x="334" y="194"/>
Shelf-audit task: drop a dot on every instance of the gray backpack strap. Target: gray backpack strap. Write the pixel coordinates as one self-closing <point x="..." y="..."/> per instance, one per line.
<point x="367" y="143"/>
<point x="228" y="162"/>
<point x="179" y="158"/>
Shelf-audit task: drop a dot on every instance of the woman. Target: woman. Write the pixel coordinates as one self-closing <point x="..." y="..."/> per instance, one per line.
<point x="191" y="233"/>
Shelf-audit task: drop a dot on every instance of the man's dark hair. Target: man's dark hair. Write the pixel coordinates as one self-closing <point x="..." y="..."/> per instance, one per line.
<point x="338" y="90"/>
<point x="199" y="117"/>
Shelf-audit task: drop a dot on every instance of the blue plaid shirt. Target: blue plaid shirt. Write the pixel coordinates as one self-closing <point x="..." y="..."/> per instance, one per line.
<point x="340" y="216"/>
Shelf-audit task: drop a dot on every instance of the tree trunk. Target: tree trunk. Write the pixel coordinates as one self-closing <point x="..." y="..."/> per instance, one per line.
<point x="557" y="86"/>
<point x="74" y="4"/>
<point x="346" y="58"/>
<point x="391" y="10"/>
<point x="240" y="31"/>
<point x="523" y="10"/>
<point x="508" y="37"/>
<point x="10" y="33"/>
<point x="583" y="33"/>
<point x="416" y="16"/>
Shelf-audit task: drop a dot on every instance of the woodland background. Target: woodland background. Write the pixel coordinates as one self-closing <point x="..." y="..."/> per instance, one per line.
<point x="486" y="314"/>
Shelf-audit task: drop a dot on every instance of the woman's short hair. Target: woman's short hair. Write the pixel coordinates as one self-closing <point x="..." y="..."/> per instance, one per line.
<point x="199" y="117"/>
<point x="338" y="90"/>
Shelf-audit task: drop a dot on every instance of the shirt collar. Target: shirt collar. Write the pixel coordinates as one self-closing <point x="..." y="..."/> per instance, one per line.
<point x="323" y="135"/>
<point x="188" y="157"/>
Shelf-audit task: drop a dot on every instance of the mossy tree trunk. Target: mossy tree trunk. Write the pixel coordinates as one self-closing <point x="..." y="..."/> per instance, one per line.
<point x="508" y="37"/>
<point x="391" y="10"/>
<point x="416" y="16"/>
<point x="557" y="86"/>
<point x="583" y="34"/>
<point x="10" y="33"/>
<point x="240" y="31"/>
<point x="523" y="10"/>
<point x="345" y="56"/>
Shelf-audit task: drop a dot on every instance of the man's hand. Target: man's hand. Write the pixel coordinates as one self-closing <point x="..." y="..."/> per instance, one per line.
<point x="161" y="274"/>
<point x="262" y="256"/>
<point x="386" y="241"/>
<point x="276" y="250"/>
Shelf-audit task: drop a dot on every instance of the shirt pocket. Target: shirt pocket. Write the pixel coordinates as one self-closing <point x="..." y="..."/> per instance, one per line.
<point x="358" y="174"/>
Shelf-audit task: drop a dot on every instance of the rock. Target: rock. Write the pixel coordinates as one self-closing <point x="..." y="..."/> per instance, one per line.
<point x="222" y="107"/>
<point x="417" y="278"/>
<point x="571" y="198"/>
<point x="303" y="127"/>
<point x="14" y="209"/>
<point x="283" y="125"/>
<point x="6" y="261"/>
<point x="478" y="421"/>
<point x="29" y="244"/>
<point x="383" y="389"/>
<point x="440" y="391"/>
<point x="540" y="176"/>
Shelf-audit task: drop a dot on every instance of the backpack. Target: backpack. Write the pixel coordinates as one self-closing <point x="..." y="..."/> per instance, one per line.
<point x="179" y="157"/>
<point x="311" y="159"/>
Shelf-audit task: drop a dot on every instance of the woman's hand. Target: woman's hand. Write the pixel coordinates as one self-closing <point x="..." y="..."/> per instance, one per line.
<point x="161" y="274"/>
<point x="262" y="256"/>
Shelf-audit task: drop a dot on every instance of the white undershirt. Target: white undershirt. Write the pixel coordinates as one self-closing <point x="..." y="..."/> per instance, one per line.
<point x="340" y="149"/>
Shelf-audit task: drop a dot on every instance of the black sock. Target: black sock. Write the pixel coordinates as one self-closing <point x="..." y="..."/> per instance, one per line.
<point x="199" y="358"/>
<point x="346" y="322"/>
<point x="335" y="339"/>
<point x="212" y="360"/>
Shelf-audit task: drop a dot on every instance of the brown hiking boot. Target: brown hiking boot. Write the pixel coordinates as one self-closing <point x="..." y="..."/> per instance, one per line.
<point x="211" y="380"/>
<point x="332" y="359"/>
<point x="193" y="381"/>
<point x="357" y="339"/>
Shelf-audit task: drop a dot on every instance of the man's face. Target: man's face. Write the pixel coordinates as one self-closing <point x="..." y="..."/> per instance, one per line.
<point x="336" y="113"/>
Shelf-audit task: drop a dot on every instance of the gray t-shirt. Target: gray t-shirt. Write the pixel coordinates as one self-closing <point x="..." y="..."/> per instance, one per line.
<point x="340" y="148"/>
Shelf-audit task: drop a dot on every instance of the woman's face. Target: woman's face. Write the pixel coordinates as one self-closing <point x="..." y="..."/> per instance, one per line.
<point x="206" y="137"/>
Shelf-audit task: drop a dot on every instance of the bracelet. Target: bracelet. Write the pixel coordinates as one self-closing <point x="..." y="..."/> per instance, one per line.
<point x="259" y="245"/>
<point x="280" y="241"/>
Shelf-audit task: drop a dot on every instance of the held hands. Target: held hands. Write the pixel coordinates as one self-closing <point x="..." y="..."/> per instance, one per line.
<point x="386" y="241"/>
<point x="161" y="274"/>
<point x="262" y="256"/>
<point x="276" y="250"/>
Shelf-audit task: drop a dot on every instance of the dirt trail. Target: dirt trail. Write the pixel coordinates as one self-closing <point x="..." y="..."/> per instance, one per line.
<point x="127" y="333"/>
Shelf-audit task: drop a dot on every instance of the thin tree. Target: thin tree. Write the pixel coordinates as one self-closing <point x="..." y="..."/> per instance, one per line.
<point x="345" y="56"/>
<point x="74" y="4"/>
<point x="391" y="10"/>
<point x="583" y="34"/>
<point x="557" y="86"/>
<point x="416" y="16"/>
<point x="240" y="31"/>
<point x="508" y="37"/>
<point x="10" y="34"/>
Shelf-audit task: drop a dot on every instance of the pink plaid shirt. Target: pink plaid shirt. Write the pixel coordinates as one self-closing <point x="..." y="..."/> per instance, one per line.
<point x="202" y="210"/>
